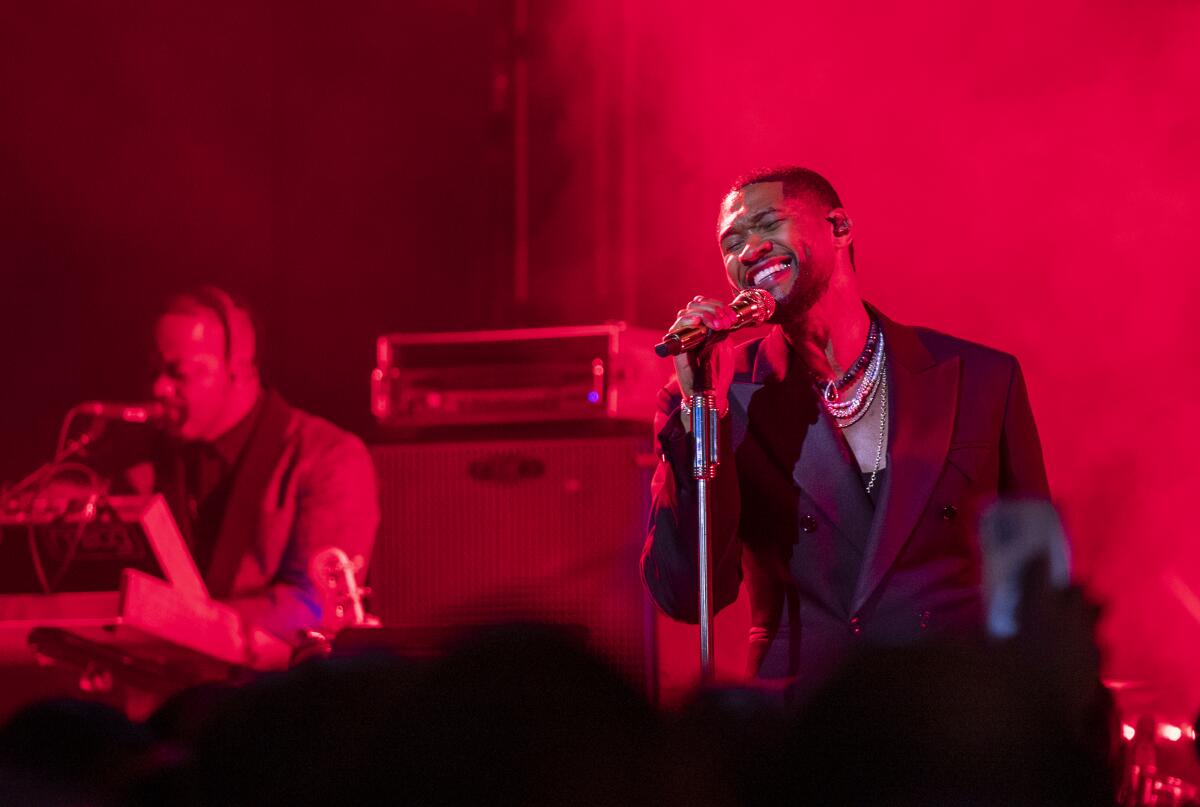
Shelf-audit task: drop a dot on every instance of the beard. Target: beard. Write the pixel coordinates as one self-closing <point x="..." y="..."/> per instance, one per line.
<point x="806" y="290"/>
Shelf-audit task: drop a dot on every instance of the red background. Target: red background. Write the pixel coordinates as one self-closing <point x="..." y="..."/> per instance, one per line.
<point x="1023" y="173"/>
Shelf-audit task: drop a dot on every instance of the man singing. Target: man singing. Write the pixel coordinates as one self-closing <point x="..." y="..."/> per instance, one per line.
<point x="855" y="451"/>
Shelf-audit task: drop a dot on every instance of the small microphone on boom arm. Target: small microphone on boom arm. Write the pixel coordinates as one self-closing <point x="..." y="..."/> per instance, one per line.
<point x="139" y="412"/>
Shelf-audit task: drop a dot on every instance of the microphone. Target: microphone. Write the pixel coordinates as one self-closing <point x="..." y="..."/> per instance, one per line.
<point x="751" y="307"/>
<point x="141" y="412"/>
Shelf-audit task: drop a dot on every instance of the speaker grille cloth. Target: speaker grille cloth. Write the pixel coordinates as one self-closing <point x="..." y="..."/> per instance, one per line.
<point x="492" y="531"/>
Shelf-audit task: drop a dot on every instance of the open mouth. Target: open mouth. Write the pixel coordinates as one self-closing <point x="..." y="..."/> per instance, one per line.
<point x="769" y="272"/>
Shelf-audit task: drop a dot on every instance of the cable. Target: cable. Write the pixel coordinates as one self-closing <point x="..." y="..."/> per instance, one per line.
<point x="65" y="430"/>
<point x="48" y="586"/>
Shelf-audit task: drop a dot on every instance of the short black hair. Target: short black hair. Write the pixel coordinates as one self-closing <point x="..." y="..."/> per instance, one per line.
<point x="225" y="306"/>
<point x="797" y="182"/>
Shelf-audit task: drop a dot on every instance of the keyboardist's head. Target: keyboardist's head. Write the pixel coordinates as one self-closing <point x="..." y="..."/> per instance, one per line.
<point x="206" y="374"/>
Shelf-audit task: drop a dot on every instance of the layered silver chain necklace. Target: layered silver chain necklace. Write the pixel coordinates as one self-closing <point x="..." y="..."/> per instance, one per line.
<point x="853" y="408"/>
<point x="874" y="382"/>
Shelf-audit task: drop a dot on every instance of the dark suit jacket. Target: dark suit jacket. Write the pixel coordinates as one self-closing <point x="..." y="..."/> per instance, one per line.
<point x="826" y="572"/>
<point x="301" y="485"/>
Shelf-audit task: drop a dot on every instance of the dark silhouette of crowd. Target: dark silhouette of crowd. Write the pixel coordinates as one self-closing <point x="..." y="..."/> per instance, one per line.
<point x="524" y="715"/>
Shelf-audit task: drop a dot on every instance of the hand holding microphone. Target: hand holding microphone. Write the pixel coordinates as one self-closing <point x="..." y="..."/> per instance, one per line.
<point x="751" y="307"/>
<point x="700" y="331"/>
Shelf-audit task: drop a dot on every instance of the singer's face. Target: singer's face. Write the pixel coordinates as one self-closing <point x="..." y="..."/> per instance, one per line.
<point x="192" y="380"/>
<point x="776" y="243"/>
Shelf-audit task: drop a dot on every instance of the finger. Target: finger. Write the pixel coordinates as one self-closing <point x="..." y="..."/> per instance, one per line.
<point x="708" y="319"/>
<point x="706" y="303"/>
<point x="719" y="319"/>
<point x="684" y="321"/>
<point x="713" y="314"/>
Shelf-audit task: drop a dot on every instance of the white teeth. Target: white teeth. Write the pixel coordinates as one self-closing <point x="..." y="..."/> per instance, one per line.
<point x="770" y="272"/>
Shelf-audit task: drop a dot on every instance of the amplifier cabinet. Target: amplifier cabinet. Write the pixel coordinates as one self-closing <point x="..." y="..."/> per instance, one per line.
<point x="488" y="531"/>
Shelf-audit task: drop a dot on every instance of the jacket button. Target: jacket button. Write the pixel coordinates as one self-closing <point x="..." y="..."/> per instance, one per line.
<point x="808" y="524"/>
<point x="856" y="624"/>
<point x="949" y="512"/>
<point x="924" y="620"/>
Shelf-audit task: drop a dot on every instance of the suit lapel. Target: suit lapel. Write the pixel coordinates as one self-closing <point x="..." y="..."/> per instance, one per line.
<point x="777" y="421"/>
<point x="239" y="525"/>
<point x="786" y="419"/>
<point x="923" y="400"/>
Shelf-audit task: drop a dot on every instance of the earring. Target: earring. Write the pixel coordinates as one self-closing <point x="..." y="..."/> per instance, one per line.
<point x="841" y="225"/>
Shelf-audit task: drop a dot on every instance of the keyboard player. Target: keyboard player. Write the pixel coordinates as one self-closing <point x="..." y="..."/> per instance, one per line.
<point x="257" y="486"/>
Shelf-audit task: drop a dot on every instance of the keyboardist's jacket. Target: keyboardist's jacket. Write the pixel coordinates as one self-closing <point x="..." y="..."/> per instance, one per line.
<point x="300" y="486"/>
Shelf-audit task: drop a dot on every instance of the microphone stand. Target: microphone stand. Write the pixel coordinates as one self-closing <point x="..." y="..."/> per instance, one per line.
<point x="705" y="438"/>
<point x="752" y="306"/>
<point x="65" y="449"/>
<point x="70" y="449"/>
